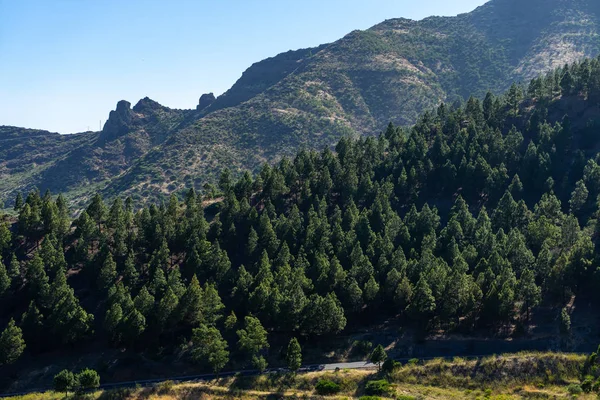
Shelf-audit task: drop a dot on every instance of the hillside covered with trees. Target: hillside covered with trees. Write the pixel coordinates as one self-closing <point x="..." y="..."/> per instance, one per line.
<point x="465" y="222"/>
<point x="307" y="98"/>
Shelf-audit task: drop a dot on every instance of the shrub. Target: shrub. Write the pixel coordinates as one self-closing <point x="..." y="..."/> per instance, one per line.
<point x="64" y="381"/>
<point x="405" y="397"/>
<point x="587" y="384"/>
<point x="574" y="388"/>
<point x="369" y="398"/>
<point x="380" y="387"/>
<point x="164" y="388"/>
<point x="325" y="387"/>
<point x="389" y="366"/>
<point x="119" y="394"/>
<point x="88" y="379"/>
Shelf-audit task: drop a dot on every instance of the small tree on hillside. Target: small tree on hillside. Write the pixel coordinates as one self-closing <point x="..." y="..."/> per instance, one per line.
<point x="378" y="356"/>
<point x="259" y="363"/>
<point x="529" y="292"/>
<point x="208" y="346"/>
<point x="565" y="322"/>
<point x="294" y="355"/>
<point x="253" y="340"/>
<point x="18" y="202"/>
<point x="12" y="344"/>
<point x="88" y="379"/>
<point x="64" y="381"/>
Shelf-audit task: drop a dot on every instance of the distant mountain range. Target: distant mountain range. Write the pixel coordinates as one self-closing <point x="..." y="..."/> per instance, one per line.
<point x="306" y="98"/>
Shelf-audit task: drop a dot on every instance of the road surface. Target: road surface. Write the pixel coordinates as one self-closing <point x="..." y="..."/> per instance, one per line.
<point x="348" y="365"/>
<point x="206" y="377"/>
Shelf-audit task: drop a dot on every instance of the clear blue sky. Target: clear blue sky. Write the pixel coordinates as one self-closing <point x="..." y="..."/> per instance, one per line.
<point x="64" y="64"/>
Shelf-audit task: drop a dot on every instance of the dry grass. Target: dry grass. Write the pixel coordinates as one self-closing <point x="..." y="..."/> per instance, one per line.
<point x="506" y="377"/>
<point x="494" y="371"/>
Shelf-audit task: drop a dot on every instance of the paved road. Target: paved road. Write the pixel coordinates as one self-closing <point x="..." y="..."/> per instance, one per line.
<point x="348" y="365"/>
<point x="205" y="377"/>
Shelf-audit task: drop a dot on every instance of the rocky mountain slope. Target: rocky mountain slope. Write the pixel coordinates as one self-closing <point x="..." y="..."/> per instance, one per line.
<point x="306" y="98"/>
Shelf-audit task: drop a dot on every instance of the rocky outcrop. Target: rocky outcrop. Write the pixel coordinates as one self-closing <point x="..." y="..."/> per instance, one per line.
<point x="147" y="105"/>
<point x="118" y="124"/>
<point x="205" y="101"/>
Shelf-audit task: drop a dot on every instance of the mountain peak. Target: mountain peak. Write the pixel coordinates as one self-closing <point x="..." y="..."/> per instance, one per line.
<point x="118" y="122"/>
<point x="205" y="101"/>
<point x="123" y="106"/>
<point x="147" y="104"/>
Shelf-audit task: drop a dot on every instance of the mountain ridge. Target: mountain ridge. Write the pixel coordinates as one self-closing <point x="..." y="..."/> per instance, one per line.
<point x="311" y="97"/>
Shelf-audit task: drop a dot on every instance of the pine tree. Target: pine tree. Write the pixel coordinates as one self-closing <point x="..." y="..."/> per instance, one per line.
<point x="65" y="382"/>
<point x="18" y="202"/>
<point x="529" y="292"/>
<point x="378" y="356"/>
<point x="252" y="244"/>
<point x="144" y="302"/>
<point x="175" y="283"/>
<point x="293" y="355"/>
<point x="514" y="98"/>
<point x="217" y="265"/>
<point x="212" y="306"/>
<point x="67" y="321"/>
<point x="422" y="303"/>
<point x="130" y="272"/>
<point x="371" y="290"/>
<point x="225" y="181"/>
<point x="64" y="223"/>
<point x="32" y="325"/>
<point x="113" y="318"/>
<point x="4" y="279"/>
<point x="208" y="346"/>
<point x="231" y="321"/>
<point x="253" y="337"/>
<point x="14" y="271"/>
<point x="567" y="83"/>
<point x="37" y="279"/>
<point x="267" y="238"/>
<point x="324" y="315"/>
<point x="578" y="197"/>
<point x="158" y="283"/>
<point x="49" y="215"/>
<point x="133" y="325"/>
<point x="403" y="294"/>
<point x="97" y="210"/>
<point x="12" y="344"/>
<point x="565" y="322"/>
<point x="108" y="273"/>
<point x="166" y="307"/>
<point x="5" y="238"/>
<point x="190" y="304"/>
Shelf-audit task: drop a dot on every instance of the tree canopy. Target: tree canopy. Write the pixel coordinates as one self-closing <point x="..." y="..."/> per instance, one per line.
<point x="470" y="219"/>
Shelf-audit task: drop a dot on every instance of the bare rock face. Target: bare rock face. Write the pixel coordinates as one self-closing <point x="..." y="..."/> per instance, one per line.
<point x="119" y="122"/>
<point x="205" y="100"/>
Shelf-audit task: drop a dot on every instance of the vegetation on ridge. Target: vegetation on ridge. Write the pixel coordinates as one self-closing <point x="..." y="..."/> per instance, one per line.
<point x="464" y="223"/>
<point x="305" y="99"/>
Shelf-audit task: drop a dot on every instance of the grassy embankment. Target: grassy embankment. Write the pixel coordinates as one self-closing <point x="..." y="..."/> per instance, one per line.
<point x="517" y="376"/>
